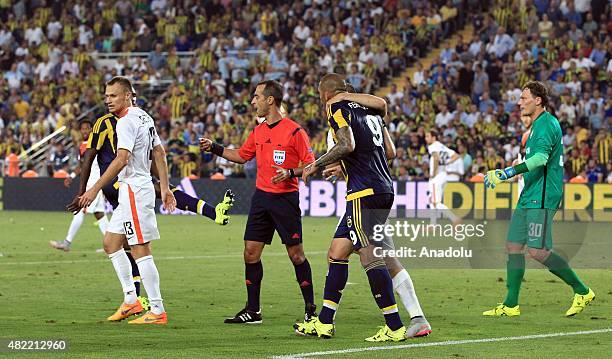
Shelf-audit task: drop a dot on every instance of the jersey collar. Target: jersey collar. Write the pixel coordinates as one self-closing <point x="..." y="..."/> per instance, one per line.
<point x="274" y="125"/>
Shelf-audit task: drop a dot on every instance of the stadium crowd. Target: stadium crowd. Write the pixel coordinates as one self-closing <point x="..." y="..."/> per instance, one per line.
<point x="49" y="52"/>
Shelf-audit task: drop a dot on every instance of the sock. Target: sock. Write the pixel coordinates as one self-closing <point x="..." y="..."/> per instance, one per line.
<point x="402" y="284"/>
<point x="150" y="280"/>
<point x="122" y="268"/>
<point x="77" y="221"/>
<point x="337" y="275"/>
<point x="103" y="224"/>
<point x="559" y="267"/>
<point x="303" y="274"/>
<point x="382" y="290"/>
<point x="253" y="273"/>
<point x="515" y="270"/>
<point x="187" y="203"/>
<point x="135" y="272"/>
<point x="446" y="212"/>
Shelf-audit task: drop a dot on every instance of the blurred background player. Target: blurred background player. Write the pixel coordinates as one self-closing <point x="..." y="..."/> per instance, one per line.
<point x="402" y="282"/>
<point x="281" y="149"/>
<point x="97" y="208"/>
<point x="440" y="157"/>
<point x="134" y="218"/>
<point x="359" y="146"/>
<point x="532" y="220"/>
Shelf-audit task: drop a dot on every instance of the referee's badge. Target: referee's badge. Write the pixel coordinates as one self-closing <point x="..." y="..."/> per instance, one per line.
<point x="279" y="157"/>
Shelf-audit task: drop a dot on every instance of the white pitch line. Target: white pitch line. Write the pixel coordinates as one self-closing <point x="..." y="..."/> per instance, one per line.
<point x="212" y="256"/>
<point x="446" y="343"/>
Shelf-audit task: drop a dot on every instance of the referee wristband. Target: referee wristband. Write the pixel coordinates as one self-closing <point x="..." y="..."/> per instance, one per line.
<point x="217" y="149"/>
<point x="291" y="173"/>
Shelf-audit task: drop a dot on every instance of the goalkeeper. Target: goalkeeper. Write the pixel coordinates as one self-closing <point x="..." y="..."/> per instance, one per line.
<point x="532" y="220"/>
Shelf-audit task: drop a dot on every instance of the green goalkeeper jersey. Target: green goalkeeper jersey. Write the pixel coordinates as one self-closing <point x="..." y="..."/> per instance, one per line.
<point x="544" y="184"/>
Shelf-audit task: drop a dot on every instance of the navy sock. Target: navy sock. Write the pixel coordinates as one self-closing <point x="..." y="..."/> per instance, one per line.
<point x="337" y="275"/>
<point x="135" y="272"/>
<point x="253" y="273"/>
<point x="187" y="203"/>
<point x="382" y="290"/>
<point x="303" y="274"/>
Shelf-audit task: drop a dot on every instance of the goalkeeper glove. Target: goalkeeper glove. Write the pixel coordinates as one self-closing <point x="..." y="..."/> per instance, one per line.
<point x="494" y="177"/>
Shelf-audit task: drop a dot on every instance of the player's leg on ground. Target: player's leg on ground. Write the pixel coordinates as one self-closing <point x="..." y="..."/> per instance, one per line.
<point x="337" y="276"/>
<point x="403" y="286"/>
<point x="135" y="272"/>
<point x="149" y="275"/>
<point x="102" y="221"/>
<point x="113" y="246"/>
<point x="253" y="273"/>
<point x="446" y="212"/>
<point x="381" y="286"/>
<point x="515" y="271"/>
<point x="75" y="225"/>
<point x="303" y="275"/>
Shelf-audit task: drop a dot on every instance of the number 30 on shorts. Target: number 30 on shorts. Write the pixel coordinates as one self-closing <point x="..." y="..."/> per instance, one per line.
<point x="535" y="230"/>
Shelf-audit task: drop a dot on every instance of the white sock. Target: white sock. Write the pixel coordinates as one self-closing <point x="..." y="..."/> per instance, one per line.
<point x="124" y="273"/>
<point x="77" y="221"/>
<point x="446" y="212"/>
<point x="402" y="283"/>
<point x="150" y="279"/>
<point x="103" y="224"/>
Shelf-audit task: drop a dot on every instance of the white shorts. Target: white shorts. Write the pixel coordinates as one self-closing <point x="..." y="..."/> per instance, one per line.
<point x="98" y="205"/>
<point x="436" y="190"/>
<point x="135" y="215"/>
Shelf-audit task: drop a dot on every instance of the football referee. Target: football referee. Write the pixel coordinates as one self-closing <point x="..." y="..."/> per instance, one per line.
<point x="282" y="149"/>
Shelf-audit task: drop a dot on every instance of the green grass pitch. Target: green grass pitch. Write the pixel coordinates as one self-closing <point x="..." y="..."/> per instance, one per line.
<point x="49" y="294"/>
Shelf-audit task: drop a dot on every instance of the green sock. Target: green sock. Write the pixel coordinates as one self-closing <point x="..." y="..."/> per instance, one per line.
<point x="515" y="272"/>
<point x="559" y="267"/>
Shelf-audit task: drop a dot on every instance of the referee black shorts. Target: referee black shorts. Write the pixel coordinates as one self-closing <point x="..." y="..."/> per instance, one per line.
<point x="361" y="215"/>
<point x="274" y="211"/>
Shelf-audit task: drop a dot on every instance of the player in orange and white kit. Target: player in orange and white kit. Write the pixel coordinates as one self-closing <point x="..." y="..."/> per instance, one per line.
<point x="138" y="146"/>
<point x="440" y="157"/>
<point x="97" y="207"/>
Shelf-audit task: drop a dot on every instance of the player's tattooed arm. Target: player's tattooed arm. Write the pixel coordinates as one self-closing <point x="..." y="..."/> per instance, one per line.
<point x="345" y="144"/>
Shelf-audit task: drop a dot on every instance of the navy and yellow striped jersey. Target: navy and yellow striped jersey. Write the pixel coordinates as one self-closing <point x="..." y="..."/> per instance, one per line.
<point x="365" y="168"/>
<point x="103" y="138"/>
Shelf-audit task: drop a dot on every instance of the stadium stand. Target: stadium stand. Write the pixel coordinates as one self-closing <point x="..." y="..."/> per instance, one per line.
<point x="195" y="69"/>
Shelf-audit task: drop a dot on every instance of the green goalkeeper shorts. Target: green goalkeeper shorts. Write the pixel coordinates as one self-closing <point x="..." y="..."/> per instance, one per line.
<point x="532" y="226"/>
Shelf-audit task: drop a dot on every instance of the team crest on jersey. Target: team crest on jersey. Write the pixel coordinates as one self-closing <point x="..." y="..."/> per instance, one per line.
<point x="279" y="157"/>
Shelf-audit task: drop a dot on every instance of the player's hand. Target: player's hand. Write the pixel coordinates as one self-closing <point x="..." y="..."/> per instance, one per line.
<point x="495" y="177"/>
<point x="67" y="182"/>
<point x="74" y="206"/>
<point x="168" y="200"/>
<point x="281" y="174"/>
<point x="205" y="144"/>
<point x="332" y="173"/>
<point x="87" y="198"/>
<point x="309" y="171"/>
